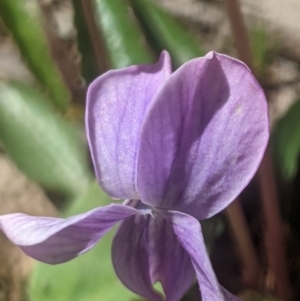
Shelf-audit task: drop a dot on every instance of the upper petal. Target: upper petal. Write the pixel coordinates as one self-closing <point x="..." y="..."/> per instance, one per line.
<point x="56" y="240"/>
<point x="189" y="234"/>
<point x="116" y="104"/>
<point x="203" y="137"/>
<point x="146" y="250"/>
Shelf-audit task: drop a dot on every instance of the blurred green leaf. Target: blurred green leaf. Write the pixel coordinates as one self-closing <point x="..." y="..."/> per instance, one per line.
<point x="34" y="47"/>
<point x="90" y="277"/>
<point x="89" y="63"/>
<point x="259" y="48"/>
<point x="41" y="142"/>
<point x="124" y="41"/>
<point x="167" y="32"/>
<point x="286" y="141"/>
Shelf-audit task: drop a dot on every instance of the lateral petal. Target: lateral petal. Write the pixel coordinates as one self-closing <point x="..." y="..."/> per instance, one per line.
<point x="145" y="250"/>
<point x="57" y="240"/>
<point x="189" y="234"/>
<point x="116" y="104"/>
<point x="203" y="137"/>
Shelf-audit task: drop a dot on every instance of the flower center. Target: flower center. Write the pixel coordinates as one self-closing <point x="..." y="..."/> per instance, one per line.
<point x="139" y="205"/>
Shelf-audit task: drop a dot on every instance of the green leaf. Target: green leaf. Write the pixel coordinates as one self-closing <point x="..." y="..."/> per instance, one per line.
<point x="89" y="63"/>
<point x="286" y="141"/>
<point x="166" y="32"/>
<point x="90" y="277"/>
<point x="40" y="141"/>
<point x="34" y="47"/>
<point x="259" y="48"/>
<point x="123" y="39"/>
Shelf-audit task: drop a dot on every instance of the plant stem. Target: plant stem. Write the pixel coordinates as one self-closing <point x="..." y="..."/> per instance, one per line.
<point x="273" y="231"/>
<point x="251" y="269"/>
<point x="239" y="31"/>
<point x="96" y="37"/>
<point x="273" y="236"/>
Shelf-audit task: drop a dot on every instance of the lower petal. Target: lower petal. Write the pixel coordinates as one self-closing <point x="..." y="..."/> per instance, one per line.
<point x="145" y="250"/>
<point x="189" y="234"/>
<point x="57" y="240"/>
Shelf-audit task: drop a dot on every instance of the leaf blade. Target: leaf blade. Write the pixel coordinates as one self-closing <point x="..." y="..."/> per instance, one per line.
<point x="124" y="40"/>
<point x="34" y="47"/>
<point x="165" y="30"/>
<point x="286" y="141"/>
<point x="41" y="142"/>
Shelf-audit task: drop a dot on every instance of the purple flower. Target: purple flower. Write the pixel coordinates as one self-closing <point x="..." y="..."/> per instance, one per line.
<point x="178" y="148"/>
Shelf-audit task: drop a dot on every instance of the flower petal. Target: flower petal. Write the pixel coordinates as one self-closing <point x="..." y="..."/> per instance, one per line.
<point x="203" y="137"/>
<point x="189" y="234"/>
<point x="56" y="240"/>
<point x="116" y="104"/>
<point x="145" y="250"/>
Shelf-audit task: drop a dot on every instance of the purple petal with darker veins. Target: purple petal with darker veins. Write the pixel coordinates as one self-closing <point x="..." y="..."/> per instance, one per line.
<point x="203" y="137"/>
<point x="56" y="240"/>
<point x="189" y="234"/>
<point x="116" y="104"/>
<point x="145" y="250"/>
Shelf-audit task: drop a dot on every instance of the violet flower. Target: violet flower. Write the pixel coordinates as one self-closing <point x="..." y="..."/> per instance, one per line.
<point x="178" y="148"/>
